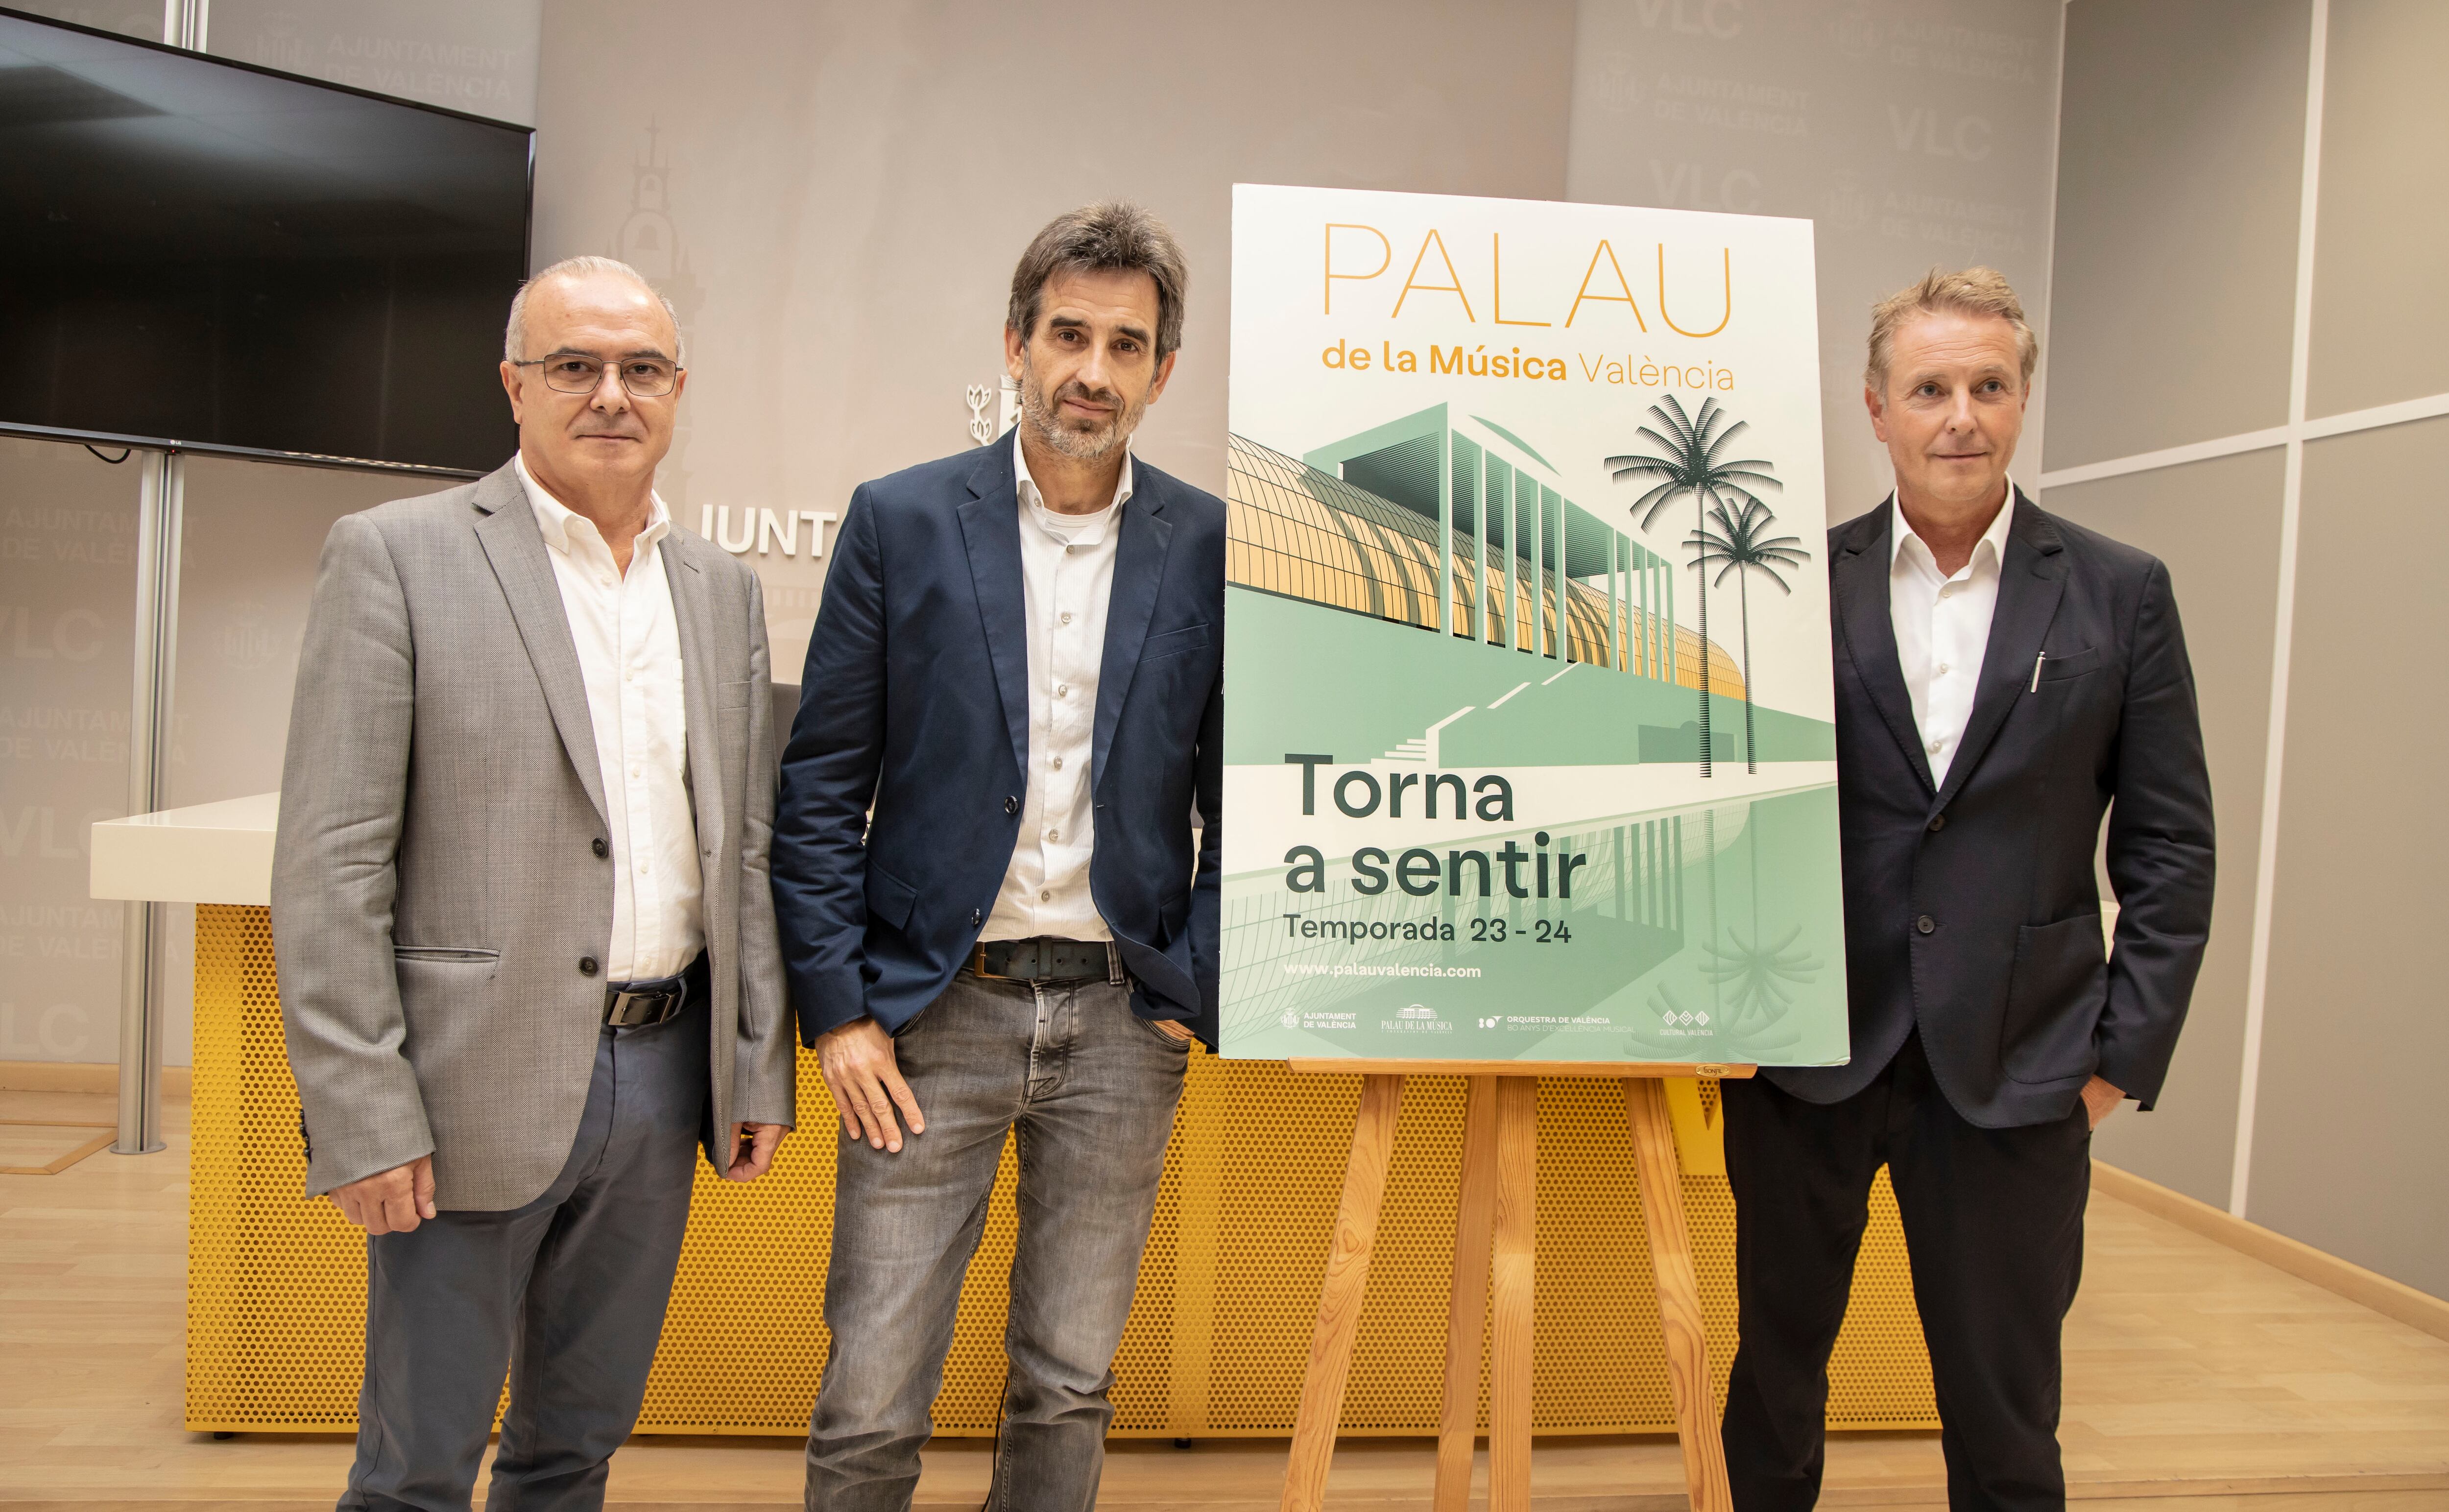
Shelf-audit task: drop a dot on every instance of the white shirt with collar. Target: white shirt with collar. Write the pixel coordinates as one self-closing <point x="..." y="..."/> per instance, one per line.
<point x="1942" y="627"/>
<point x="1067" y="569"/>
<point x="629" y="654"/>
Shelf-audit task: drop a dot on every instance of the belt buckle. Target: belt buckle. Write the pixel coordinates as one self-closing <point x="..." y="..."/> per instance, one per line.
<point x="638" y="1010"/>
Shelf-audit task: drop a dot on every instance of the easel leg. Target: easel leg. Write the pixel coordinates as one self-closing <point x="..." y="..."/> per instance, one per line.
<point x="1679" y="1294"/>
<point x="1509" y="1387"/>
<point x="1340" y="1293"/>
<point x="1467" y="1306"/>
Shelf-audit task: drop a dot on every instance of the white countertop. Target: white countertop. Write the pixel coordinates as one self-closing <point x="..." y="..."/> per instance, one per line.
<point x="213" y="853"/>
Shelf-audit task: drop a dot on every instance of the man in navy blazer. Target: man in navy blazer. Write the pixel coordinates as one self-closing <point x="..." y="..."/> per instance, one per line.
<point x="2003" y="678"/>
<point x="995" y="916"/>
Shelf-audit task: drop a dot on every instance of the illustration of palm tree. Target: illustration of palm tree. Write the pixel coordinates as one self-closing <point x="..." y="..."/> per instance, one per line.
<point x="1742" y="546"/>
<point x="1689" y="460"/>
<point x="1758" y="971"/>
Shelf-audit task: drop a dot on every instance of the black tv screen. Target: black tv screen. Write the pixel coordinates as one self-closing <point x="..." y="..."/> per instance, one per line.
<point x="241" y="260"/>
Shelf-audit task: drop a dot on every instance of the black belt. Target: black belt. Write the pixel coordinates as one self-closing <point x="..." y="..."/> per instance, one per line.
<point x="1047" y="960"/>
<point x="636" y="1004"/>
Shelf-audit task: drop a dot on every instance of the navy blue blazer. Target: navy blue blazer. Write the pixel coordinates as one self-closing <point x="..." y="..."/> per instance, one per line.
<point x="1972" y="907"/>
<point x="915" y="709"/>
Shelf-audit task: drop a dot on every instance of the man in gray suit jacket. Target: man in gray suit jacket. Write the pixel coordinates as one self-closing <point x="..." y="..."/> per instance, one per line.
<point x="527" y="949"/>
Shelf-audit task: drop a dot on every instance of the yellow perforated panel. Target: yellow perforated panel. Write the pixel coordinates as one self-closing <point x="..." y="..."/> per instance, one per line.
<point x="1218" y="1336"/>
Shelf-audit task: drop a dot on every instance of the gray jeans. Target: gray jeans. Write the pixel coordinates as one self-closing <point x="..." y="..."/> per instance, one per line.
<point x="1087" y="1090"/>
<point x="566" y="1292"/>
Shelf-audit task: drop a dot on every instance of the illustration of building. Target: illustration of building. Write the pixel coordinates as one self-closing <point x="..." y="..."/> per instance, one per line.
<point x="1355" y="525"/>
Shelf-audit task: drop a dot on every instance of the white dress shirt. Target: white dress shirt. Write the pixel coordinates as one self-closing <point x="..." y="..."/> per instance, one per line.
<point x="1067" y="569"/>
<point x="1942" y="627"/>
<point x="630" y="654"/>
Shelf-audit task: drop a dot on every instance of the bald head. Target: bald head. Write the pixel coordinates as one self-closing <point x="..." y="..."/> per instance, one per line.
<point x="585" y="271"/>
<point x="595" y="445"/>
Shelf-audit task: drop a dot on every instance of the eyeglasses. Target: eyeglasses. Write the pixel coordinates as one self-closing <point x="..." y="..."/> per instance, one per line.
<point x="646" y="377"/>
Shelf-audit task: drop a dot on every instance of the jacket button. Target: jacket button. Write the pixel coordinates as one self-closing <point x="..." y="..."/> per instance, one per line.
<point x="1937" y="823"/>
<point x="1012" y="805"/>
<point x="600" y="849"/>
<point x="977" y="915"/>
<point x="1926" y="924"/>
<point x="586" y="966"/>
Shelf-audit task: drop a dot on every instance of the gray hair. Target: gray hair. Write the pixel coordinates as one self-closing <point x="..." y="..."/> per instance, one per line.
<point x="1969" y="291"/>
<point x="515" y="336"/>
<point x="1112" y="237"/>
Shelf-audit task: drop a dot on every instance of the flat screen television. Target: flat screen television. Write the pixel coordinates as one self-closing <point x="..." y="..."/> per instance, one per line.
<point x="239" y="261"/>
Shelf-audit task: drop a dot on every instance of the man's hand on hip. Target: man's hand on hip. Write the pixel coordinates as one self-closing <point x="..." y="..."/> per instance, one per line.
<point x="2100" y="1100"/>
<point x="752" y="1149"/>
<point x="866" y="1083"/>
<point x="393" y="1201"/>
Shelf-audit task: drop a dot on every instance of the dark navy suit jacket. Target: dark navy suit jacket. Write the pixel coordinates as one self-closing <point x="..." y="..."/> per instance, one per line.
<point x="1972" y="908"/>
<point x="915" y="707"/>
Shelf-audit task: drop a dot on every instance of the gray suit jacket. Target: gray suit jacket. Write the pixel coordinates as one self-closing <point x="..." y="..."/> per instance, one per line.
<point x="436" y="880"/>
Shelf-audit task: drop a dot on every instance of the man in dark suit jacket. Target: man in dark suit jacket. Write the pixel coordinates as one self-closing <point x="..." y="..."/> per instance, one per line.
<point x="2003" y="678"/>
<point x="995" y="917"/>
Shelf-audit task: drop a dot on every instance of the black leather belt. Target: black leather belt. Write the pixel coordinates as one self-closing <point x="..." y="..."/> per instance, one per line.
<point x="1047" y="960"/>
<point x="636" y="1004"/>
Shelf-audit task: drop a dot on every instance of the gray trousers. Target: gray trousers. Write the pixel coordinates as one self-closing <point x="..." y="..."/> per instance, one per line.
<point x="1086" y="1089"/>
<point x="566" y="1292"/>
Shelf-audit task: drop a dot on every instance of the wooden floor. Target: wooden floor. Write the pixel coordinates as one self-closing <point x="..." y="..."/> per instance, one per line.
<point x="2192" y="1371"/>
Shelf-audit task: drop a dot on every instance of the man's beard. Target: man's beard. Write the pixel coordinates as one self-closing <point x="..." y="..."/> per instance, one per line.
<point x="1081" y="443"/>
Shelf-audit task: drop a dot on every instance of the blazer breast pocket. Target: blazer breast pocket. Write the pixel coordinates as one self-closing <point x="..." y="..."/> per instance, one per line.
<point x="1173" y="643"/>
<point x="2069" y="667"/>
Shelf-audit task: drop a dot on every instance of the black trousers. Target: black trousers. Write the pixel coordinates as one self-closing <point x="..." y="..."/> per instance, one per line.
<point x="1993" y="1227"/>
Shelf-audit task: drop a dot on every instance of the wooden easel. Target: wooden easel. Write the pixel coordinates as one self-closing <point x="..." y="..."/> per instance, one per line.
<point x="1497" y="1211"/>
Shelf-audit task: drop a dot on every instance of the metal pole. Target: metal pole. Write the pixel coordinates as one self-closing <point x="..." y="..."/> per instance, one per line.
<point x="144" y="947"/>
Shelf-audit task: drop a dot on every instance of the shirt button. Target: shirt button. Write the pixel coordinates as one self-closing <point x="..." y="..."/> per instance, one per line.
<point x="1926" y="924"/>
<point x="1067" y="618"/>
<point x="1934" y="746"/>
<point x="1062" y="690"/>
<point x="1942" y="668"/>
<point x="1948" y="591"/>
<point x="1058" y="763"/>
<point x="1054" y="834"/>
<point x="1045" y="895"/>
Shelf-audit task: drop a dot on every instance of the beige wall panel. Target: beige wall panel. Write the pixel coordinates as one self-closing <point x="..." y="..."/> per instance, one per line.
<point x="2380" y="305"/>
<point x="1911" y="134"/>
<point x="474" y="56"/>
<point x="2347" y="1145"/>
<point x="835" y="195"/>
<point x="2180" y="166"/>
<point x="68" y="634"/>
<point x="2216" y="524"/>
<point x="132" y="18"/>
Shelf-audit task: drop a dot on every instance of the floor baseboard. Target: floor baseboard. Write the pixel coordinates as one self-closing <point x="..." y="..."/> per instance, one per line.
<point x="82" y="1075"/>
<point x="2392" y="1299"/>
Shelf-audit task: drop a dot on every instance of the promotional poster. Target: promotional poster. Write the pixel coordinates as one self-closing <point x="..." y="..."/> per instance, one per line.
<point x="1529" y="749"/>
